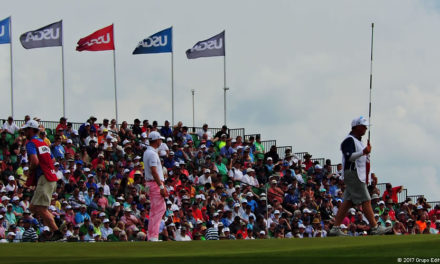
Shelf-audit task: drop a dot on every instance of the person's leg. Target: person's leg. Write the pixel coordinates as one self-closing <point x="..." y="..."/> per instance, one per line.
<point x="157" y="210"/>
<point x="342" y="212"/>
<point x="368" y="212"/>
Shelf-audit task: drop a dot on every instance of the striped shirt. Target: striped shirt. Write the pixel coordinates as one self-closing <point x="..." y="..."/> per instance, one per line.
<point x="30" y="235"/>
<point x="211" y="234"/>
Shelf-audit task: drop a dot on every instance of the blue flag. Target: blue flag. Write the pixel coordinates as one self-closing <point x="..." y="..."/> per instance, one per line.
<point x="5" y="36"/>
<point x="158" y="43"/>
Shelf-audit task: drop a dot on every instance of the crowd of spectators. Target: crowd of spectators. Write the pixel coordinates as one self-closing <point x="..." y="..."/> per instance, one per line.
<point x="219" y="188"/>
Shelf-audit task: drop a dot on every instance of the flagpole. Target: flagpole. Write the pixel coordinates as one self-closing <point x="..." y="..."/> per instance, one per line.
<point x="172" y="86"/>
<point x="224" y="88"/>
<point x="371" y="79"/>
<point x="116" y="93"/>
<point x="12" y="72"/>
<point x="62" y="77"/>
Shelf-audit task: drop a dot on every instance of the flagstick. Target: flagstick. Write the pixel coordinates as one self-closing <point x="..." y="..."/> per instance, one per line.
<point x="62" y="76"/>
<point x="12" y="72"/>
<point x="371" y="80"/>
<point x="116" y="93"/>
<point x="172" y="86"/>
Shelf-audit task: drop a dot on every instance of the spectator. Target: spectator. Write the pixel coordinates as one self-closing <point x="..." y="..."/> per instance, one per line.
<point x="10" y="127"/>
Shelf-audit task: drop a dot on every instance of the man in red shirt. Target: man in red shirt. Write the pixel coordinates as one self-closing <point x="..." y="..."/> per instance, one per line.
<point x="62" y="124"/>
<point x="391" y="193"/>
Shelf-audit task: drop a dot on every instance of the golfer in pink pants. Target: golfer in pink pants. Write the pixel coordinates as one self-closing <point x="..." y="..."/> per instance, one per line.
<point x="155" y="179"/>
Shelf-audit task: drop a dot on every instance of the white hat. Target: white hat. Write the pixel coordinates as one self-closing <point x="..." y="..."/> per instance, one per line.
<point x="276" y="212"/>
<point x="170" y="203"/>
<point x="75" y="132"/>
<point x="11" y="178"/>
<point x="120" y="198"/>
<point x="100" y="155"/>
<point x="343" y="226"/>
<point x="207" y="171"/>
<point x="68" y="207"/>
<point x="269" y="158"/>
<point x="154" y="136"/>
<point x="67" y="171"/>
<point x="250" y="170"/>
<point x="262" y="232"/>
<point x="318" y="167"/>
<point x="106" y="221"/>
<point x="419" y="207"/>
<point x="101" y="214"/>
<point x="126" y="170"/>
<point x="144" y="135"/>
<point x="116" y="204"/>
<point x="25" y="168"/>
<point x="86" y="169"/>
<point x="56" y="163"/>
<point x="52" y="208"/>
<point x="306" y="211"/>
<point x="388" y="222"/>
<point x="108" y="137"/>
<point x="249" y="194"/>
<point x="15" y="198"/>
<point x="4" y="197"/>
<point x="226" y="229"/>
<point x="203" y="146"/>
<point x="301" y="226"/>
<point x="171" y="152"/>
<point x="169" y="139"/>
<point x="381" y="202"/>
<point x="69" y="141"/>
<point x="237" y="205"/>
<point x="11" y="234"/>
<point x="137" y="158"/>
<point x="359" y="121"/>
<point x="125" y="142"/>
<point x="46" y="228"/>
<point x="31" y="124"/>
<point x="87" y="124"/>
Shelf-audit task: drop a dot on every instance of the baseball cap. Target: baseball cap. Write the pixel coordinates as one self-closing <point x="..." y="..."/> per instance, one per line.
<point x="343" y="226"/>
<point x="106" y="221"/>
<point x="226" y="229"/>
<point x="207" y="171"/>
<point x="359" y="121"/>
<point x="276" y="212"/>
<point x="69" y="141"/>
<point x="46" y="228"/>
<point x="31" y="124"/>
<point x="11" y="178"/>
<point x="154" y="136"/>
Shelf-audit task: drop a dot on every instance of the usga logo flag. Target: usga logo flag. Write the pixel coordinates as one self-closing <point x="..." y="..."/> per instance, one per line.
<point x="4" y="31"/>
<point x="211" y="47"/>
<point x="98" y="40"/>
<point x="160" y="42"/>
<point x="48" y="36"/>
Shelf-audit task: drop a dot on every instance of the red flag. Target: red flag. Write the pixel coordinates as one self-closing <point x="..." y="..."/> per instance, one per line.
<point x="97" y="41"/>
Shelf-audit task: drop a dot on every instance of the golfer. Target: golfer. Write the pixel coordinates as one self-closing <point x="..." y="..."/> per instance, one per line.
<point x="354" y="161"/>
<point x="42" y="175"/>
<point x="155" y="179"/>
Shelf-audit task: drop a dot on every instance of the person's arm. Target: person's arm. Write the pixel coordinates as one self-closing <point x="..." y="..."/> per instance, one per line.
<point x="156" y="177"/>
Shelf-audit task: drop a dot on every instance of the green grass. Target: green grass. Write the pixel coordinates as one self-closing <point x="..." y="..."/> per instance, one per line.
<point x="371" y="250"/>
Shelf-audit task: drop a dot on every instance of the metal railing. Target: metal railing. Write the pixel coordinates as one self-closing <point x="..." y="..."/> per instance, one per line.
<point x="301" y="155"/>
<point x="434" y="204"/>
<point x="334" y="168"/>
<point x="267" y="144"/>
<point x="282" y="151"/>
<point x="401" y="197"/>
<point x="246" y="137"/>
<point x="320" y="160"/>
<point x="235" y="132"/>
<point x="415" y="197"/>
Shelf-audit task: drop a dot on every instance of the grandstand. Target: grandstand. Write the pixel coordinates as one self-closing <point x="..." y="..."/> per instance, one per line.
<point x="266" y="206"/>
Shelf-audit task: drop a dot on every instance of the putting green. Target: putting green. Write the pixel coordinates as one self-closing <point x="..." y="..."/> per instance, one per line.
<point x="376" y="249"/>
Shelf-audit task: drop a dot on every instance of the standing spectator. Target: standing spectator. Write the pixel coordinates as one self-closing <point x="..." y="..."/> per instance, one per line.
<point x="10" y="126"/>
<point x="154" y="177"/>
<point x="391" y="193"/>
<point x="211" y="232"/>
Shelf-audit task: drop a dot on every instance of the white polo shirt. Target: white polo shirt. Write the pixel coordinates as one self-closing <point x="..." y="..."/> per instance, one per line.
<point x="151" y="159"/>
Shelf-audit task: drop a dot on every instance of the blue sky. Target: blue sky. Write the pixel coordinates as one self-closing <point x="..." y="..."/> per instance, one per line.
<point x="298" y="72"/>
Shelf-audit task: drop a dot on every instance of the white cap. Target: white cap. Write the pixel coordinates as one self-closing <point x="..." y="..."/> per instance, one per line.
<point x="125" y="142"/>
<point x="343" y="226"/>
<point x="269" y="158"/>
<point x="359" y="121"/>
<point x="249" y="194"/>
<point x="226" y="229"/>
<point x="262" y="232"/>
<point x="237" y="205"/>
<point x="319" y="167"/>
<point x="56" y="163"/>
<point x="75" y="132"/>
<point x="388" y="222"/>
<point x="101" y="214"/>
<point x="11" y="234"/>
<point x="144" y="135"/>
<point x="46" y="228"/>
<point x="69" y="141"/>
<point x="11" y="178"/>
<point x="25" y="168"/>
<point x="86" y="169"/>
<point x="207" y="171"/>
<point x="4" y="197"/>
<point x="203" y="146"/>
<point x="169" y="139"/>
<point x="67" y="171"/>
<point x="116" y="204"/>
<point x="301" y="226"/>
<point x="31" y="124"/>
<point x="250" y="170"/>
<point x="15" y="198"/>
<point x="154" y="136"/>
<point x="276" y="212"/>
<point x="381" y="202"/>
<point x="137" y="158"/>
<point x="106" y="221"/>
<point x="126" y="170"/>
<point x="52" y="208"/>
<point x="108" y="137"/>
